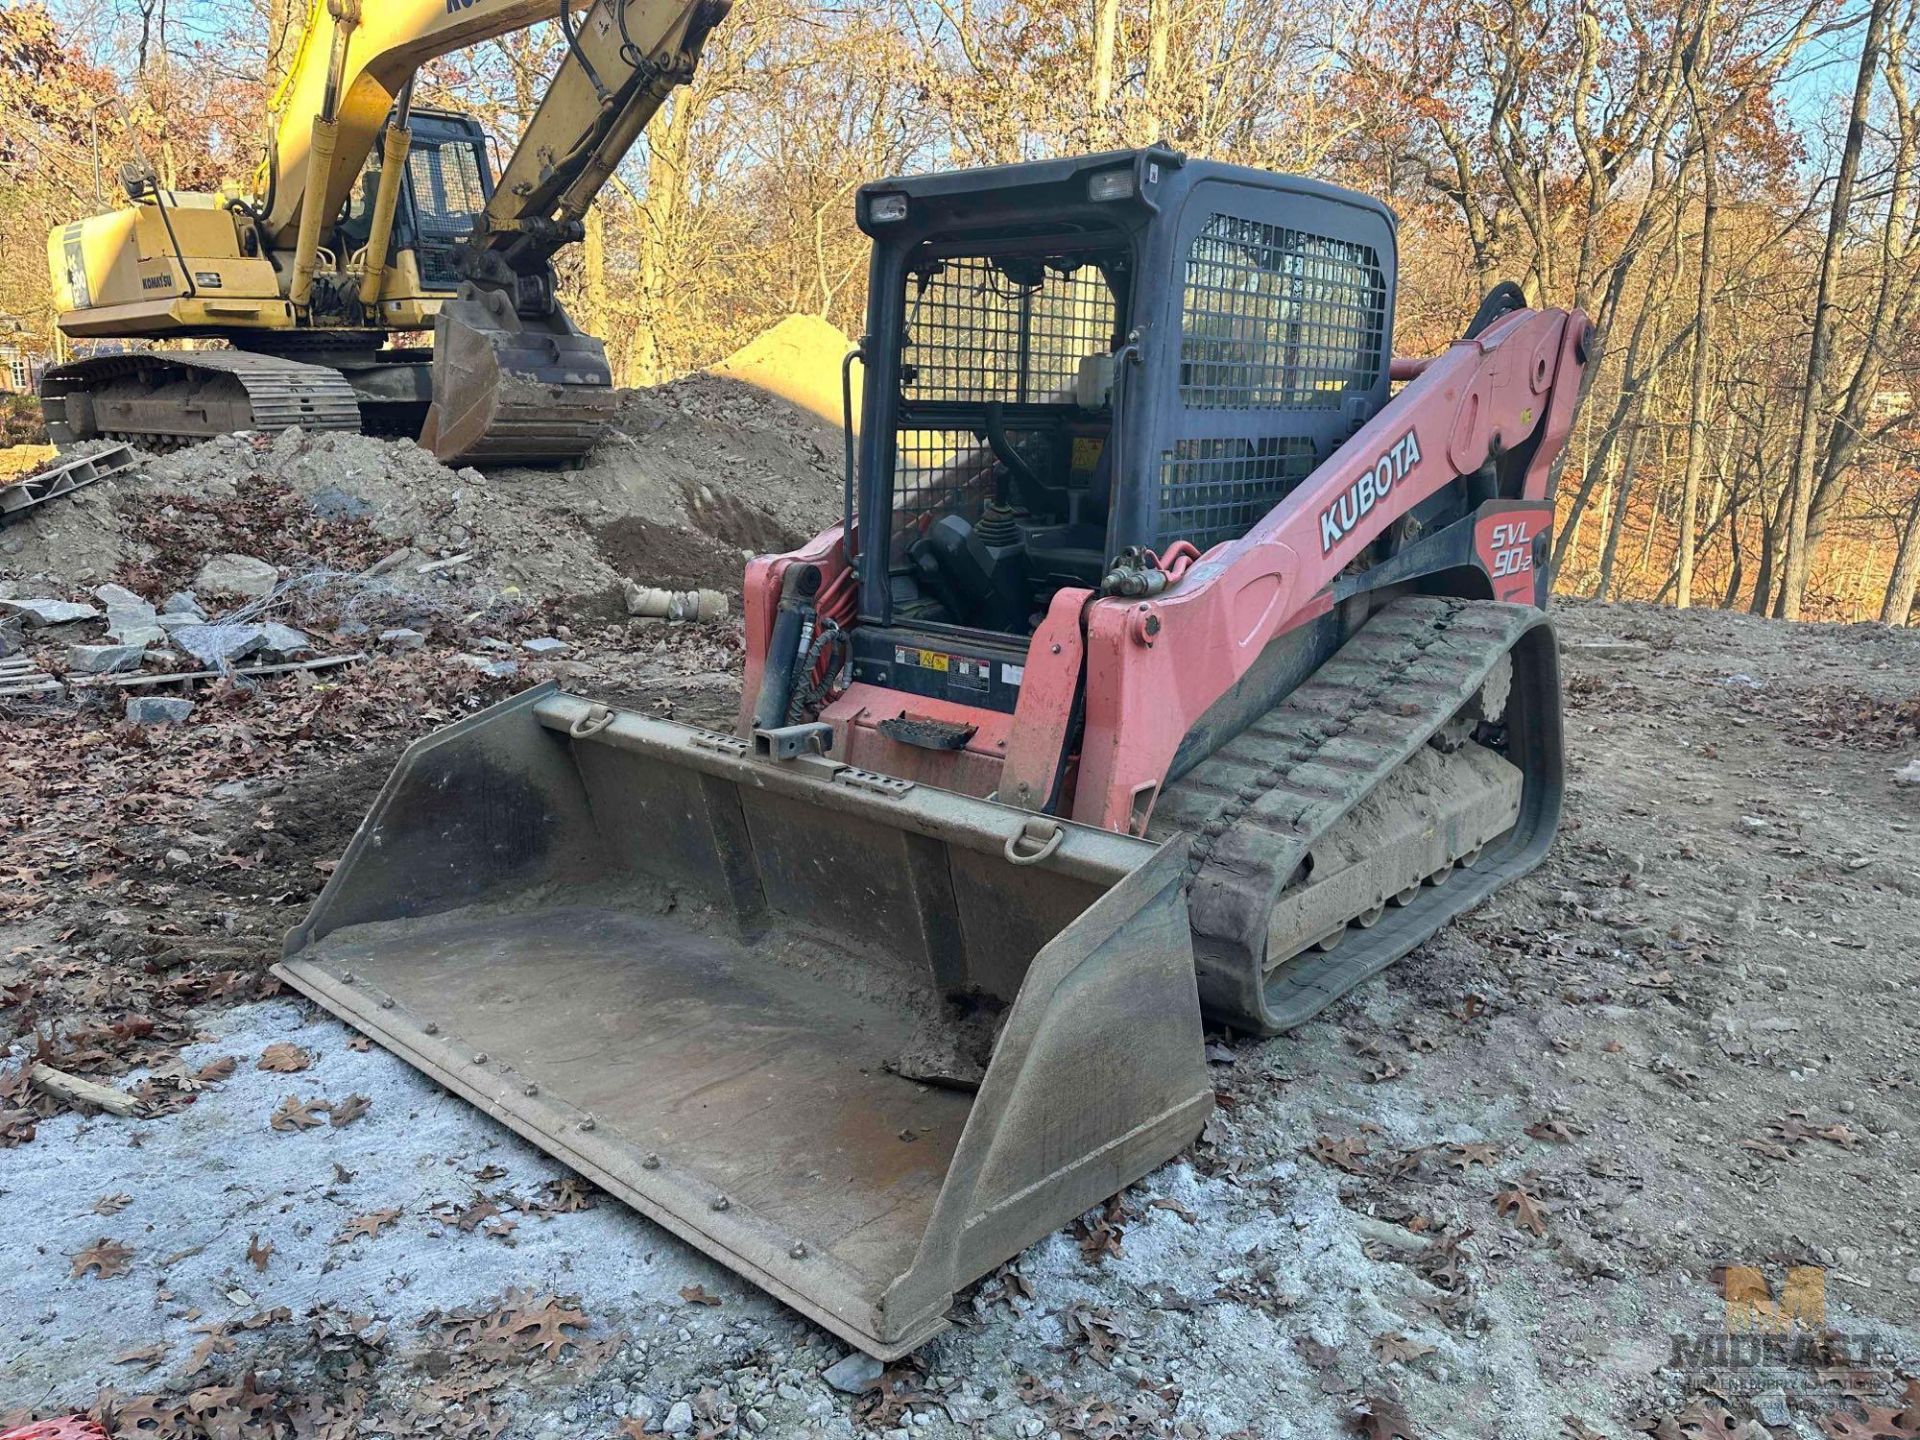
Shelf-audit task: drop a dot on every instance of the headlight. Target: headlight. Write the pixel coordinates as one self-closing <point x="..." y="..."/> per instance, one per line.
<point x="1111" y="185"/>
<point x="887" y="209"/>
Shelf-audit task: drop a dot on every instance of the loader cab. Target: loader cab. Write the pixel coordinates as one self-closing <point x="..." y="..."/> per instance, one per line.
<point x="448" y="185"/>
<point x="1069" y="358"/>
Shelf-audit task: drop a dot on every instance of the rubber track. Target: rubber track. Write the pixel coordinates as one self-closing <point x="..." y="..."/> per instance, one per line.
<point x="1256" y="807"/>
<point x="280" y="393"/>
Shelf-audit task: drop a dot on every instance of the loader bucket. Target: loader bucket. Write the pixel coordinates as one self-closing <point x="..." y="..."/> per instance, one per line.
<point x="511" y="390"/>
<point x="858" y="1039"/>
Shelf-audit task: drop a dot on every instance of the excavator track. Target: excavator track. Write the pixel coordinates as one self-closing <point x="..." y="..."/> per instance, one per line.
<point x="1359" y="815"/>
<point x="162" y="400"/>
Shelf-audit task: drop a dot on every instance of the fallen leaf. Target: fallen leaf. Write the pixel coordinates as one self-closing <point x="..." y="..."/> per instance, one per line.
<point x="567" y="1195"/>
<point x="367" y="1227"/>
<point x="111" y="1204"/>
<point x="469" y="1219"/>
<point x="1395" y="1348"/>
<point x="108" y="1259"/>
<point x="259" y="1254"/>
<point x="1525" y="1208"/>
<point x="360" y="1044"/>
<point x="297" y="1114"/>
<point x="697" y="1295"/>
<point x="284" y="1059"/>
<point x="1558" y="1132"/>
<point x="1465" y="1157"/>
<point x="1341" y="1154"/>
<point x="1842" y="1135"/>
<point x="348" y="1110"/>
<point x="1162" y="1203"/>
<point x="145" y="1358"/>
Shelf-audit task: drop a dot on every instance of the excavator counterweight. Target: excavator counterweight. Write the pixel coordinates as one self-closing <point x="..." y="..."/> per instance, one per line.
<point x="1170" y="668"/>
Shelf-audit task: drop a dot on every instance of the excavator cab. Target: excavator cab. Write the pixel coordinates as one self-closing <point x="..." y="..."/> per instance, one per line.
<point x="448" y="184"/>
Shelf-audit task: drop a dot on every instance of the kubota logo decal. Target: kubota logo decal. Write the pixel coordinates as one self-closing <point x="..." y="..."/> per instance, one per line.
<point x="1338" y="519"/>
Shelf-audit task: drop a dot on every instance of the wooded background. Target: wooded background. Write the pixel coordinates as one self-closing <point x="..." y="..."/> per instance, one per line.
<point x="1727" y="186"/>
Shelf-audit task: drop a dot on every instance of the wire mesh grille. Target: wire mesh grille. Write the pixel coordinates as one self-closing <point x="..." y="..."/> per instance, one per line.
<point x="1213" y="490"/>
<point x="1279" y="319"/>
<point x="975" y="334"/>
<point x="447" y="198"/>
<point x="936" y="472"/>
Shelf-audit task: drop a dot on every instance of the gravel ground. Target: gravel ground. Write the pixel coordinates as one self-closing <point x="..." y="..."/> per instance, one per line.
<point x="1685" y="1044"/>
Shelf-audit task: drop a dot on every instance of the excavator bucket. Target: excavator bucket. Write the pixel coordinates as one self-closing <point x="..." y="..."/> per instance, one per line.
<point x="858" y="1039"/>
<point x="509" y="390"/>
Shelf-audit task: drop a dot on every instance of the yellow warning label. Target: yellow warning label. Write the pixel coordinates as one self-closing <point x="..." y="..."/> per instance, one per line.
<point x="924" y="659"/>
<point x="1086" y="452"/>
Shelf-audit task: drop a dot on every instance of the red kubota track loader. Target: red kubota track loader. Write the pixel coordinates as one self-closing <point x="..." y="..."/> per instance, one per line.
<point x="1167" y="665"/>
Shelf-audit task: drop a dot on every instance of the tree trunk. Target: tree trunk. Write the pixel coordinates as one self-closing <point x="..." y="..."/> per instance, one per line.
<point x="1698" y="397"/>
<point x="1106" y="41"/>
<point x="1628" y="464"/>
<point x="1820" y="352"/>
<point x="1897" y="608"/>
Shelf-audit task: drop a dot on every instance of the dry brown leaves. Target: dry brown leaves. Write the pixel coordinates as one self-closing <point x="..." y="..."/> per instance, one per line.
<point x="882" y="1407"/>
<point x="467" y="1218"/>
<point x="1100" y="1236"/>
<point x="1704" y="1418"/>
<point x="1341" y="1154"/>
<point x="1096" y="1333"/>
<point x="284" y="1059"/>
<point x="1396" y="1348"/>
<point x="565" y="1196"/>
<point x="1516" y="1200"/>
<point x="1555" y="1131"/>
<point x="257" y="1253"/>
<point x="107" y="1259"/>
<point x="1878" y="1422"/>
<point x="526" y="1326"/>
<point x="697" y="1295"/>
<point x="111" y="1204"/>
<point x="346" y="1111"/>
<point x="366" y="1227"/>
<point x="1465" y="1157"/>
<point x="297" y="1114"/>
<point x="1379" y="1417"/>
<point x="1785" y="1136"/>
<point x="1161" y="1202"/>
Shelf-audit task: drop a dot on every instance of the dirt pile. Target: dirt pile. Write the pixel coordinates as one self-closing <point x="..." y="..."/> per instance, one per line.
<point x="695" y="477"/>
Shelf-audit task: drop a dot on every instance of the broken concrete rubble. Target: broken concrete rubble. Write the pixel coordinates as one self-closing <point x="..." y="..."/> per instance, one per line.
<point x="402" y="639"/>
<point x="492" y="669"/>
<point x="158" y="710"/>
<point x="241" y="575"/>
<point x="219" y="645"/>
<point x="41" y="613"/>
<point x="104" y="659"/>
<point x="545" y="645"/>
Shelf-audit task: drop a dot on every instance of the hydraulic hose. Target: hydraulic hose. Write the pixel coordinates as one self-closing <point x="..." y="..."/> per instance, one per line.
<point x="797" y="589"/>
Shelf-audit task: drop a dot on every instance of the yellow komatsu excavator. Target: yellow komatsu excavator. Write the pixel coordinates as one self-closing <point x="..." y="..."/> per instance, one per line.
<point x="372" y="221"/>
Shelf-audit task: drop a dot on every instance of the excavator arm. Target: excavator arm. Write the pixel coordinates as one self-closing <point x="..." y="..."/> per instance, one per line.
<point x="513" y="377"/>
<point x="358" y="58"/>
